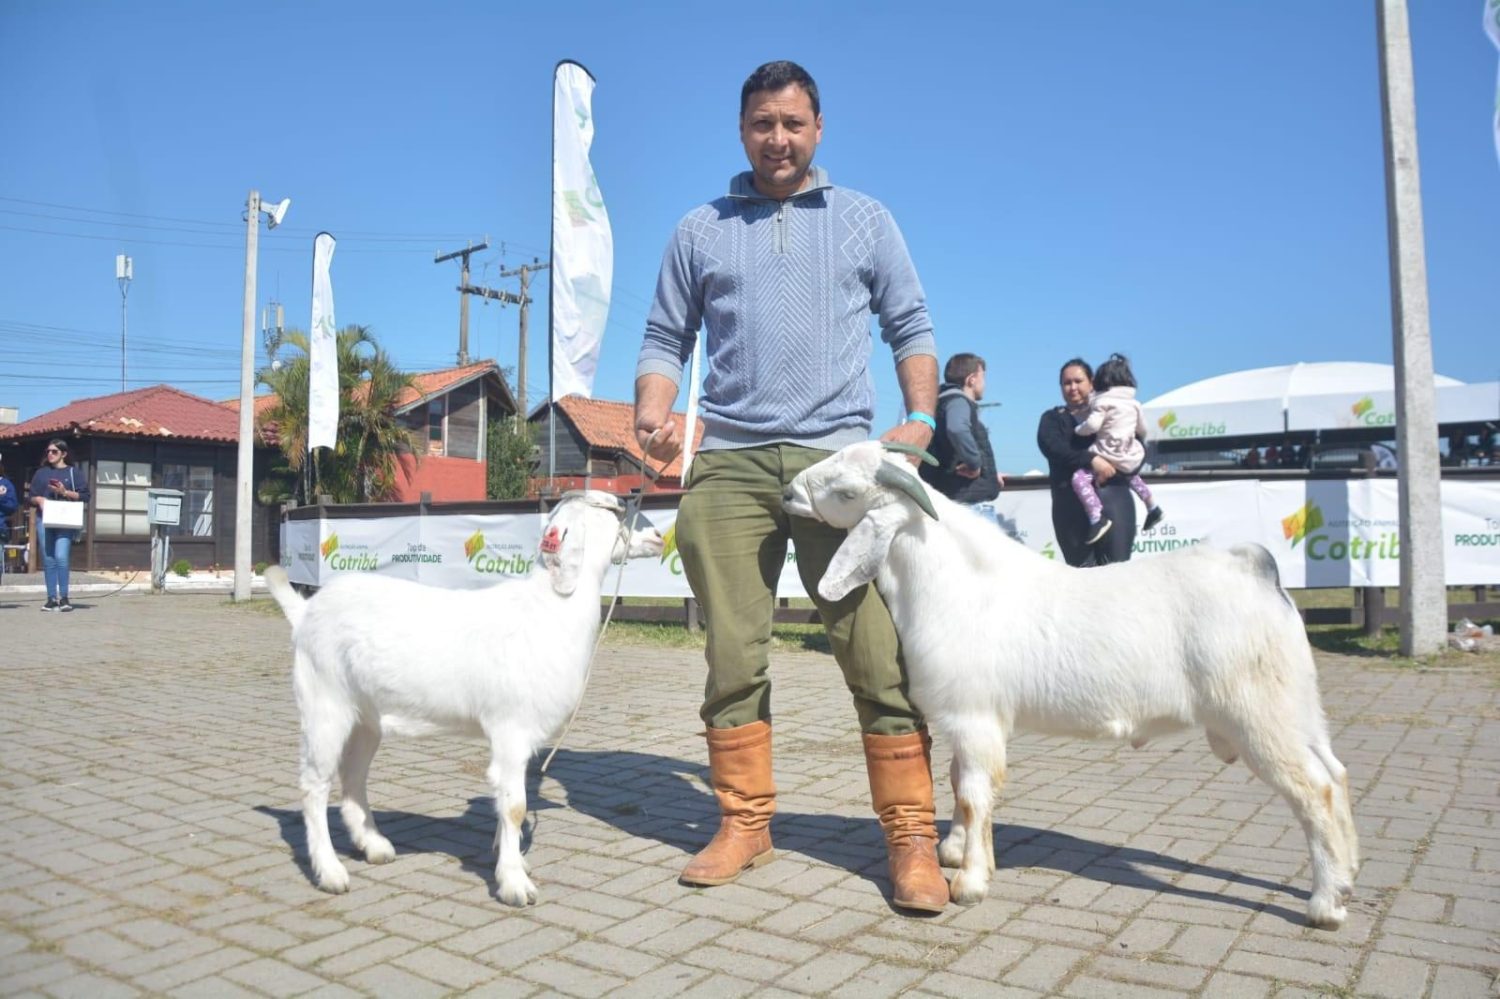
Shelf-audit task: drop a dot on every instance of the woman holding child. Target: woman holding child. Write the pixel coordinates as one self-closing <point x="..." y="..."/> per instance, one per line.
<point x="1067" y="452"/>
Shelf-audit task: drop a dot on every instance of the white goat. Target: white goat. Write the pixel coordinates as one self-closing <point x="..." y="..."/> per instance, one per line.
<point x="506" y="664"/>
<point x="997" y="638"/>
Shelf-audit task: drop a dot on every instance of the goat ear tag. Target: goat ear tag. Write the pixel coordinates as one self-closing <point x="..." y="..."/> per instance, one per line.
<point x="552" y="541"/>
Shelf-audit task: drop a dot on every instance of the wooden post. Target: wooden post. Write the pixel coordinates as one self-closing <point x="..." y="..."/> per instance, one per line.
<point x="1374" y="604"/>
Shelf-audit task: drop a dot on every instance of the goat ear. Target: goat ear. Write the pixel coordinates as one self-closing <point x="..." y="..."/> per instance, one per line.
<point x="859" y="557"/>
<point x="563" y="557"/>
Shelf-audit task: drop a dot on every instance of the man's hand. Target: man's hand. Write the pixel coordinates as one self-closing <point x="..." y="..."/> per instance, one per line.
<point x="913" y="432"/>
<point x="653" y="414"/>
<point x="1103" y="470"/>
<point x="665" y="445"/>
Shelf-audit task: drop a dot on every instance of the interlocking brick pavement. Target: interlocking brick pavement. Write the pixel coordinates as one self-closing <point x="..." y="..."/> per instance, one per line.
<point x="151" y="842"/>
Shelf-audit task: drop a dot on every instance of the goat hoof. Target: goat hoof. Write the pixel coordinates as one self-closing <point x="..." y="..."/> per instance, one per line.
<point x="968" y="889"/>
<point x="335" y="881"/>
<point x="518" y="893"/>
<point x="1325" y="911"/>
<point x="378" y="850"/>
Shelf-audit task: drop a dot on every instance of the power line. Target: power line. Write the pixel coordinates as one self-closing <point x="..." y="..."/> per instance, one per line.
<point x="238" y="226"/>
<point x="136" y="240"/>
<point x="200" y="232"/>
<point x="107" y="380"/>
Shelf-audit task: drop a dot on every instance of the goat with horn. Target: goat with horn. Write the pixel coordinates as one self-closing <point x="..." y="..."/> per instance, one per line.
<point x="1212" y="642"/>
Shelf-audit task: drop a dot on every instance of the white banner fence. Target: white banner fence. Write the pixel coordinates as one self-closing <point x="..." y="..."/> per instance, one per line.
<point x="1322" y="532"/>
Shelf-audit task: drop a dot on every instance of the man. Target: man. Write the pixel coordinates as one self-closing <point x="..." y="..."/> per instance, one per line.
<point x="784" y="273"/>
<point x="965" y="471"/>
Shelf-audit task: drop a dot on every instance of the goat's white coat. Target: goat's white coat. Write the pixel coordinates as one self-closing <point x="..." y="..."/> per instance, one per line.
<point x="507" y="664"/>
<point x="997" y="638"/>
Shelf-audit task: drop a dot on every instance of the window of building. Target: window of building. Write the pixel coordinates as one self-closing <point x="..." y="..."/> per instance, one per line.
<point x="197" y="485"/>
<point x="120" y="497"/>
<point x="436" y="411"/>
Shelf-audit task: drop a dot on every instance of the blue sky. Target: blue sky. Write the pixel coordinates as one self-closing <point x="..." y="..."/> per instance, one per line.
<point x="1199" y="186"/>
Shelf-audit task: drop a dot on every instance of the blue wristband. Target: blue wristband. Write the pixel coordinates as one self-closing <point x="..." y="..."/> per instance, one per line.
<point x="921" y="418"/>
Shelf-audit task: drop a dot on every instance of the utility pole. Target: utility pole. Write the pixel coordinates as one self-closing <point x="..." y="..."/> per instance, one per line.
<point x="244" y="492"/>
<point x="1424" y="597"/>
<point x="524" y="271"/>
<point x="463" y="301"/>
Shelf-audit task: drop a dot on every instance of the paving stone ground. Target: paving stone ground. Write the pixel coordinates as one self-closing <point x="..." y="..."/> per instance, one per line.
<point x="151" y="842"/>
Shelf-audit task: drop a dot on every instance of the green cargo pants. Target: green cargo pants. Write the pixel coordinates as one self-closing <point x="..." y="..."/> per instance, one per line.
<point x="732" y="535"/>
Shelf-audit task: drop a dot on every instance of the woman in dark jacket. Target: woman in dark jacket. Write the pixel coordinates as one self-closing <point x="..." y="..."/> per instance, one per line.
<point x="1066" y="452"/>
<point x="9" y="501"/>
<point x="57" y="480"/>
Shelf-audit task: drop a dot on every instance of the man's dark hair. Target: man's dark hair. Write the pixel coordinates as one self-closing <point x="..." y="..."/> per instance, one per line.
<point x="778" y="76"/>
<point x="1114" y="373"/>
<point x="960" y="367"/>
<point x="1077" y="362"/>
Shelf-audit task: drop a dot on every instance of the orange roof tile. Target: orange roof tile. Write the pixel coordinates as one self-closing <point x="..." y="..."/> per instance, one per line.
<point x="429" y="383"/>
<point x="263" y="404"/>
<point x="611" y="425"/>
<point x="425" y="385"/>
<point x="158" y="411"/>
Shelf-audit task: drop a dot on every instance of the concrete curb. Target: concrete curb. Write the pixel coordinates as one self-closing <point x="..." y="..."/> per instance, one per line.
<point x="257" y="585"/>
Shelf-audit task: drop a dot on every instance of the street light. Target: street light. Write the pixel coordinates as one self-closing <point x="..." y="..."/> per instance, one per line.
<point x="124" y="271"/>
<point x="243" y="478"/>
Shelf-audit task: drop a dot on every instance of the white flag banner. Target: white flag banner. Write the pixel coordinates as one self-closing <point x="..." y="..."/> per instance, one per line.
<point x="322" y="352"/>
<point x="1492" y="28"/>
<point x="583" y="251"/>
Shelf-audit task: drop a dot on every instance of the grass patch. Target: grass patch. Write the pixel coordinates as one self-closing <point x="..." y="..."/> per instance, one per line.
<point x="1346" y="641"/>
<point x="259" y="603"/>
<point x="1350" y="641"/>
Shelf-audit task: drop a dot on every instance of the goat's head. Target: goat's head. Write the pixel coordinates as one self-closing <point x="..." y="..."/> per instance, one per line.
<point x="585" y="533"/>
<point x="869" y="492"/>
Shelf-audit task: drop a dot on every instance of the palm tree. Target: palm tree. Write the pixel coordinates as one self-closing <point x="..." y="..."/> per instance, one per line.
<point x="362" y="467"/>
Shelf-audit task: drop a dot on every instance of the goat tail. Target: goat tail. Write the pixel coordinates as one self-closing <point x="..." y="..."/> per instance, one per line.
<point x="1263" y="564"/>
<point x="292" y="603"/>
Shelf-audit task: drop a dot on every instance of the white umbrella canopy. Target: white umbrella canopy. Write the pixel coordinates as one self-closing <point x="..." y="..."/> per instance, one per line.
<point x="1323" y="395"/>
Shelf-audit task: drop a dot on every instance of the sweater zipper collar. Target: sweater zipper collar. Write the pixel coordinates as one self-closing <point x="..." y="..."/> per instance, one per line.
<point x="742" y="187"/>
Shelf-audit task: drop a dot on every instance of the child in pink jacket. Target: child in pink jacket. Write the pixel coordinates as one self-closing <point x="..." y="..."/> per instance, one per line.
<point x="1116" y="423"/>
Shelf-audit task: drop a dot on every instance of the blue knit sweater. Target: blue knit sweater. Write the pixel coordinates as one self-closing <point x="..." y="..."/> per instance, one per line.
<point x="785" y="290"/>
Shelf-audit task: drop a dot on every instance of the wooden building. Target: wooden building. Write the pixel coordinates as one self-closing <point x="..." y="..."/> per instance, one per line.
<point x="130" y="441"/>
<point x="451" y="411"/>
<point x="596" y="447"/>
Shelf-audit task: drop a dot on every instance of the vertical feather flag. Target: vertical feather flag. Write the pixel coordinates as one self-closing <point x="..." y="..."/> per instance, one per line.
<point x="323" y="363"/>
<point x="1492" y="28"/>
<point x="582" y="244"/>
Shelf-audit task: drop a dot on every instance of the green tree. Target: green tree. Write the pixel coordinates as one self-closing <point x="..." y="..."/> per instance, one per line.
<point x="363" y="464"/>
<point x="510" y="456"/>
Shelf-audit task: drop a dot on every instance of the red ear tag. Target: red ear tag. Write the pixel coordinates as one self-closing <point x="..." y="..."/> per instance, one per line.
<point x="552" y="540"/>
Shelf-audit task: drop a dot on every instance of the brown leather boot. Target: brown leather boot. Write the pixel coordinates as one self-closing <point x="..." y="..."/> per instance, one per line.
<point x="739" y="762"/>
<point x="901" y="787"/>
